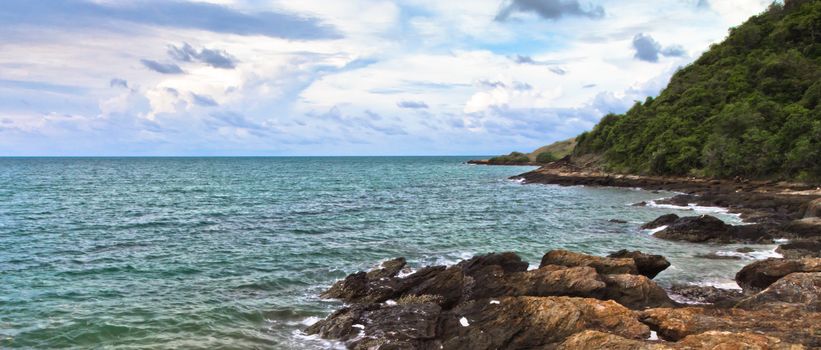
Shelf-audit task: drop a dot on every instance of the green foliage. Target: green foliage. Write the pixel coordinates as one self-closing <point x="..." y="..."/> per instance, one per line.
<point x="512" y="158"/>
<point x="545" y="157"/>
<point x="747" y="107"/>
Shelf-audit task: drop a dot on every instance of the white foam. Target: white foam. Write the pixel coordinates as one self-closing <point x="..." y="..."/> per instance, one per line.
<point x="360" y="326"/>
<point x="495" y="302"/>
<point x="406" y="272"/>
<point x="657" y="229"/>
<point x="754" y="255"/>
<point x="781" y="240"/>
<point x="310" y="321"/>
<point x="325" y="344"/>
<point x="464" y="322"/>
<point x="518" y="180"/>
<point x="390" y="303"/>
<point x="720" y="284"/>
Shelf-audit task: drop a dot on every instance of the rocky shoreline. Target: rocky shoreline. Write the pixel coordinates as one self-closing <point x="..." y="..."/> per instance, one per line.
<point x="573" y="301"/>
<point x="578" y="301"/>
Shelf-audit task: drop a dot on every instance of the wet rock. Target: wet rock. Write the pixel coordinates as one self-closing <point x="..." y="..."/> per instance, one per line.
<point x="602" y="265"/>
<point x="708" y="294"/>
<point x="681" y="200"/>
<point x="550" y="280"/>
<point x="648" y="265"/>
<point x="663" y="220"/>
<point x="715" y="256"/>
<point x="399" y="326"/>
<point x="706" y="228"/>
<point x="388" y="269"/>
<point x="761" y="274"/>
<point x="806" y="228"/>
<point x="796" y="325"/>
<point x="745" y="250"/>
<point x="617" y="221"/>
<point x="533" y="322"/>
<point x="800" y="249"/>
<point x="639" y="204"/>
<point x="509" y="262"/>
<point x="813" y="209"/>
<point x="635" y="291"/>
<point x="800" y="289"/>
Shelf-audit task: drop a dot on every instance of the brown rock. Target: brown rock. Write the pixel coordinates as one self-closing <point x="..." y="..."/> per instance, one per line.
<point x="533" y="322"/>
<point x="761" y="274"/>
<point x="635" y="291"/>
<point x="509" y="262"/>
<point x="793" y="324"/>
<point x="547" y="281"/>
<point x="695" y="229"/>
<point x="388" y="269"/>
<point x="648" y="265"/>
<point x="734" y="341"/>
<point x="800" y="249"/>
<point x="602" y="265"/>
<point x="801" y="289"/>
<point x="600" y="340"/>
<point x="708" y="294"/>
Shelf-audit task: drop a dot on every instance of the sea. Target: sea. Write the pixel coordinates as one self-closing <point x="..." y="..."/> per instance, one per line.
<point x="232" y="253"/>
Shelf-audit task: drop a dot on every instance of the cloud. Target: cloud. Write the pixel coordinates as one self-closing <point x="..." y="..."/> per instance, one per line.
<point x="648" y="49"/>
<point x="164" y="68"/>
<point x="213" y="58"/>
<point x="168" y="13"/>
<point x="203" y="100"/>
<point x="412" y="105"/>
<point x="520" y="59"/>
<point x="117" y="82"/>
<point x="549" y="9"/>
<point x="557" y="70"/>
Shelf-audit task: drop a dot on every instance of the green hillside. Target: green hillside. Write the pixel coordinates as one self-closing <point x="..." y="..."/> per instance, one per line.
<point x="747" y="107"/>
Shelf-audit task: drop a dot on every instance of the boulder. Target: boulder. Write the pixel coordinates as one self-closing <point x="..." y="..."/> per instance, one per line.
<point x="600" y="340"/>
<point x="602" y="265"/>
<point x="796" y="325"/>
<point x="663" y="220"/>
<point x="761" y="274"/>
<point x="813" y="209"/>
<point x="648" y="265"/>
<point x="533" y="322"/>
<point x="799" y="289"/>
<point x="707" y="294"/>
<point x="509" y="262"/>
<point x="800" y="249"/>
<point x="402" y="326"/>
<point x="635" y="291"/>
<point x="447" y="284"/>
<point x="695" y="229"/>
<point x="550" y="280"/>
<point x="388" y="269"/>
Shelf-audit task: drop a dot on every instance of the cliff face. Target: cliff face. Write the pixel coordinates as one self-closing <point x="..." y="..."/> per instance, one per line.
<point x="747" y="107"/>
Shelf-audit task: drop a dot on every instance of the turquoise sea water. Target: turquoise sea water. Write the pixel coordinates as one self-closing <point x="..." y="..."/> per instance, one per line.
<point x="133" y="253"/>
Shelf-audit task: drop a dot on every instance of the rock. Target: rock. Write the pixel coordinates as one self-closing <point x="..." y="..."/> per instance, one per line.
<point x="509" y="262"/>
<point x="761" y="274"/>
<point x="715" y="256"/>
<point x="745" y="250"/>
<point x="800" y="249"/>
<point x="389" y="269"/>
<point x="805" y="228"/>
<point x="353" y="287"/>
<point x="681" y="200"/>
<point x="663" y="220"/>
<point x="447" y="284"/>
<point x="600" y="340"/>
<point x="801" y="289"/>
<point x="635" y="291"/>
<point x="617" y="221"/>
<point x="533" y="322"/>
<point x="639" y="204"/>
<point x="550" y="280"/>
<point x="400" y="326"/>
<point x="647" y="264"/>
<point x="708" y="294"/>
<point x="799" y="326"/>
<point x="813" y="209"/>
<point x="731" y="340"/>
<point x="706" y="228"/>
<point x="602" y="265"/>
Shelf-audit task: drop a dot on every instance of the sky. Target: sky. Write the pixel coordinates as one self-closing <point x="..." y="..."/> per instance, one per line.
<point x="318" y="77"/>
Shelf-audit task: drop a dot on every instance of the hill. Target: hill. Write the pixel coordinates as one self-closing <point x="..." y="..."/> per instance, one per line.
<point x="748" y="107"/>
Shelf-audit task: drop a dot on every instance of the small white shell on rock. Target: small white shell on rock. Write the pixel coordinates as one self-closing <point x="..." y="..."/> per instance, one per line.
<point x="464" y="322"/>
<point x="495" y="302"/>
<point x="358" y="326"/>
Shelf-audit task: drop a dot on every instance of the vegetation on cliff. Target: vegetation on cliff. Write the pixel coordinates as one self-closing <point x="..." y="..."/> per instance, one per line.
<point x="747" y="107"/>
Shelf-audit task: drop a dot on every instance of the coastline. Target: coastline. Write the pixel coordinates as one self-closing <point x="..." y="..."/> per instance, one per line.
<point x="496" y="301"/>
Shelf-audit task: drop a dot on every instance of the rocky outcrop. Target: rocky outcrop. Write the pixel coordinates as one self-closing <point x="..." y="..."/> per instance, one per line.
<point x="663" y="220"/>
<point x="647" y="264"/>
<point x="706" y="228"/>
<point x="707" y="295"/>
<point x="533" y="322"/>
<point x="797" y="326"/>
<point x="800" y="249"/>
<point x="602" y="265"/>
<point x="707" y="340"/>
<point x="800" y="290"/>
<point x="761" y="274"/>
<point x="546" y="281"/>
<point x="508" y="262"/>
<point x="635" y="291"/>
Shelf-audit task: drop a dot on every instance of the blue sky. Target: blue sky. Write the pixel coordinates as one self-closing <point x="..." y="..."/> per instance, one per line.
<point x="317" y="77"/>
